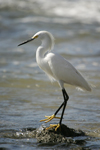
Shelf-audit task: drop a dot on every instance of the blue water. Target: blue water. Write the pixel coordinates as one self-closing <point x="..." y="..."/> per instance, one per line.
<point x="26" y="94"/>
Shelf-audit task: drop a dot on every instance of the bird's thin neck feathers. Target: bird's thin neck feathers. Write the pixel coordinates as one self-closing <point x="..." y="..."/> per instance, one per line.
<point x="48" y="42"/>
<point x="41" y="52"/>
<point x="46" y="45"/>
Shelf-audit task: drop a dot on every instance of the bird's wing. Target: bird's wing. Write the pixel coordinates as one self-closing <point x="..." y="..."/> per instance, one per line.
<point x="62" y="70"/>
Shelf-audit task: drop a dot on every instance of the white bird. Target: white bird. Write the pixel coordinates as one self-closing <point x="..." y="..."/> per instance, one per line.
<point x="57" y="68"/>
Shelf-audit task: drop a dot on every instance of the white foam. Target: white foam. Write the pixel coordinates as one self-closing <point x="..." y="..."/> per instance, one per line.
<point x="86" y="11"/>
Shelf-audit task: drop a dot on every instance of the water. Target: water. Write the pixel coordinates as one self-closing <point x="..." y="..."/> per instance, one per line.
<point x="26" y="94"/>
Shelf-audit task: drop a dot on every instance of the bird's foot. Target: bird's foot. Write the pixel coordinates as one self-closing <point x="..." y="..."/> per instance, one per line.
<point x="49" y="118"/>
<point x="53" y="125"/>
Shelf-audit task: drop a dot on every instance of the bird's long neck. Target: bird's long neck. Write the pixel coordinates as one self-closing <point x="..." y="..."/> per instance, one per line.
<point x="45" y="46"/>
<point x="40" y="53"/>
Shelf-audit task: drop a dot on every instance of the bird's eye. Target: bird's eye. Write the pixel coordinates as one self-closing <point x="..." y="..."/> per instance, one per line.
<point x="36" y="36"/>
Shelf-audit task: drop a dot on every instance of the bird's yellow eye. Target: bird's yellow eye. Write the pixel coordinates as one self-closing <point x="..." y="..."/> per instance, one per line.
<point x="34" y="37"/>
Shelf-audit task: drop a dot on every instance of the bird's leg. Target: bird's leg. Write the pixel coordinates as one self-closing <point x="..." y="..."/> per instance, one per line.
<point x="66" y="97"/>
<point x="59" y="109"/>
<point x="49" y="118"/>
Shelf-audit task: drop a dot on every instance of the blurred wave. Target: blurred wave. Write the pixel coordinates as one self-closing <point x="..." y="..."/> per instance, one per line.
<point x="87" y="11"/>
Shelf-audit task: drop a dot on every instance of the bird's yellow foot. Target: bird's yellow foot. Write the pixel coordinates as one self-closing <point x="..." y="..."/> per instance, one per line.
<point x="49" y="118"/>
<point x="53" y="125"/>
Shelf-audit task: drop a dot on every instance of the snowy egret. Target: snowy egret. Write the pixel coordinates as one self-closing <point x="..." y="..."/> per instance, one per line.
<point x="57" y="68"/>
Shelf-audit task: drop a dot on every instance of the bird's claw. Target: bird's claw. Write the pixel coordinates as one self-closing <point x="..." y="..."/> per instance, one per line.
<point x="53" y="125"/>
<point x="49" y="118"/>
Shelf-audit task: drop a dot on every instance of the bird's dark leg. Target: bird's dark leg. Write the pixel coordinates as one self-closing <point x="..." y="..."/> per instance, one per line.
<point x="66" y="97"/>
<point x="60" y="106"/>
<point x="49" y="118"/>
<point x="58" y="109"/>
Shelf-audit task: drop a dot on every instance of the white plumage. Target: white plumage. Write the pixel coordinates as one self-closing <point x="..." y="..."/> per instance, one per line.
<point x="57" y="68"/>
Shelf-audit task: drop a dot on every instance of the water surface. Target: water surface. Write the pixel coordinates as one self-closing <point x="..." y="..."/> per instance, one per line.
<point x="26" y="94"/>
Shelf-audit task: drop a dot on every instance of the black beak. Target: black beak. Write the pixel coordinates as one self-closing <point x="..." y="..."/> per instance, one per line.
<point x="26" y="41"/>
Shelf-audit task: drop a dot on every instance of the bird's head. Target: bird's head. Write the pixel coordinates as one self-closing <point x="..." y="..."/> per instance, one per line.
<point x="46" y="38"/>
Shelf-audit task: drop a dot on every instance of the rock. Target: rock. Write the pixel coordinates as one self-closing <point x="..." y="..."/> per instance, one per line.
<point x="64" y="134"/>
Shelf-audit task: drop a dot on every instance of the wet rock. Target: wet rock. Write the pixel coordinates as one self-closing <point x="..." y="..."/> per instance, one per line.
<point x="64" y="134"/>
